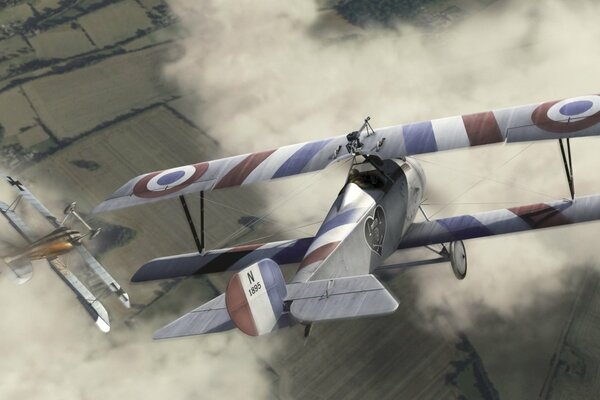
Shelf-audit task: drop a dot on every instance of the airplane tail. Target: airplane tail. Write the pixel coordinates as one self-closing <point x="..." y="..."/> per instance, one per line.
<point x="255" y="298"/>
<point x="21" y="270"/>
<point x="257" y="301"/>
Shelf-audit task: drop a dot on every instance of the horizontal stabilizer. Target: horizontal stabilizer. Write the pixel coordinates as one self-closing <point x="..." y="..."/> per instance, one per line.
<point x="21" y="268"/>
<point x="357" y="296"/>
<point x="210" y="317"/>
<point x="16" y="222"/>
<point x="351" y="297"/>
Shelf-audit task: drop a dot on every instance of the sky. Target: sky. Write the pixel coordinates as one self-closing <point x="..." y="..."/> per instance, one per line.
<point x="270" y="73"/>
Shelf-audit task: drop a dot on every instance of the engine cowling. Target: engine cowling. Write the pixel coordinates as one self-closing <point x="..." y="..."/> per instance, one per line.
<point x="458" y="259"/>
<point x="254" y="297"/>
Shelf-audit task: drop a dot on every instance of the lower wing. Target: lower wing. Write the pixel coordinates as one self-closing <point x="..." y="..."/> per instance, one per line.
<point x="91" y="304"/>
<point x="498" y="222"/>
<point x="229" y="259"/>
<point x="364" y="295"/>
<point x="462" y="227"/>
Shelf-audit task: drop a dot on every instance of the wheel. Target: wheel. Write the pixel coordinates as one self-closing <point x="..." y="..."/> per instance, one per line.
<point x="70" y="208"/>
<point x="458" y="259"/>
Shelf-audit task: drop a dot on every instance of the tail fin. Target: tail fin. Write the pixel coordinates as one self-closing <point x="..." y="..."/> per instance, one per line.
<point x="21" y="268"/>
<point x="255" y="296"/>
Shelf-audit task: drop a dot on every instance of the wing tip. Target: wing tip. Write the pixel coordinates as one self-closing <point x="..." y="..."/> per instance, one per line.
<point x="103" y="325"/>
<point x="103" y="207"/>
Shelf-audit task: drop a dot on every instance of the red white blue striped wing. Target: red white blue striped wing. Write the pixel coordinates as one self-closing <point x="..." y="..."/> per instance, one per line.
<point x="574" y="117"/>
<point x="221" y="260"/>
<point x="509" y="220"/>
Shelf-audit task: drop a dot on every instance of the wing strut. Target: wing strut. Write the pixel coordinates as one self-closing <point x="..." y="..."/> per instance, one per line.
<point x="199" y="244"/>
<point x="202" y="220"/>
<point x="567" y="161"/>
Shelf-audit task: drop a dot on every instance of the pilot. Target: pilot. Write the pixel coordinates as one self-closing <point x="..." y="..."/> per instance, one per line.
<point x="355" y="177"/>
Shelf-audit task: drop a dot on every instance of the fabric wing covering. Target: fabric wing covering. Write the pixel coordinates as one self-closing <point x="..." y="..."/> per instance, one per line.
<point x="462" y="227"/>
<point x="573" y="117"/>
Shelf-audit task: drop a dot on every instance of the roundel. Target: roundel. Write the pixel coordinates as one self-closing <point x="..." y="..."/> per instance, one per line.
<point x="570" y="115"/>
<point x="161" y="183"/>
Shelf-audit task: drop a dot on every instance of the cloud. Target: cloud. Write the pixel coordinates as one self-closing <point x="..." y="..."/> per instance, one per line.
<point x="272" y="73"/>
<point x="52" y="350"/>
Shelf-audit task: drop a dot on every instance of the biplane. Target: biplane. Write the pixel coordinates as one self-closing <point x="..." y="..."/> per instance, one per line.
<point x="372" y="218"/>
<point x="60" y="241"/>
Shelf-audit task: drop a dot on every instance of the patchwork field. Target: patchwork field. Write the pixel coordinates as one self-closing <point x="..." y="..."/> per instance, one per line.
<point x="575" y="369"/>
<point x="115" y="23"/>
<point x="16" y="14"/>
<point x="15" y="112"/>
<point x="78" y="101"/>
<point x="64" y="41"/>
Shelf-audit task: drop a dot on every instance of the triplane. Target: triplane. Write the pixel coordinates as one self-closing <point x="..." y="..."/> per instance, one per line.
<point x="371" y="219"/>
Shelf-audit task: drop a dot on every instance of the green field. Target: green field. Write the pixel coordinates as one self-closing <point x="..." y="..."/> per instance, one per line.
<point x="63" y="41"/>
<point x="115" y="23"/>
<point x="78" y="101"/>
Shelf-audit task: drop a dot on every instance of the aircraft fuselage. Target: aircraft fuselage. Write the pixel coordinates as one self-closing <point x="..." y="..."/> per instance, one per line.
<point x="56" y="243"/>
<point x="388" y="196"/>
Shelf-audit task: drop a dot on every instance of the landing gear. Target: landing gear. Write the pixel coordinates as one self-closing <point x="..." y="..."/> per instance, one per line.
<point x="70" y="210"/>
<point x="458" y="259"/>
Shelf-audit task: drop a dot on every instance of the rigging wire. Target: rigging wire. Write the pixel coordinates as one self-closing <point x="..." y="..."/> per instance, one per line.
<point x="488" y="178"/>
<point x="301" y="189"/>
<point x="279" y="233"/>
<point x="483" y="179"/>
<point x="265" y="219"/>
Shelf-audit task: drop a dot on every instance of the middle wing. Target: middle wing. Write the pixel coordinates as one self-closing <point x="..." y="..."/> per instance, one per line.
<point x="574" y="117"/>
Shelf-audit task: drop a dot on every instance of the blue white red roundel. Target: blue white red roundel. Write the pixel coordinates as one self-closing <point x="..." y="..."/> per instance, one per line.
<point x="569" y="115"/>
<point x="161" y="183"/>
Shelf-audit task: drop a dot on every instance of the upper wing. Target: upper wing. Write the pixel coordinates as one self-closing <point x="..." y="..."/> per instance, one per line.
<point x="517" y="219"/>
<point x="31" y="199"/>
<point x="233" y="258"/>
<point x="574" y="117"/>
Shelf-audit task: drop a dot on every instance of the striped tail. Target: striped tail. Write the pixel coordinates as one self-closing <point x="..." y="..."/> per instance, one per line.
<point x="255" y="298"/>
